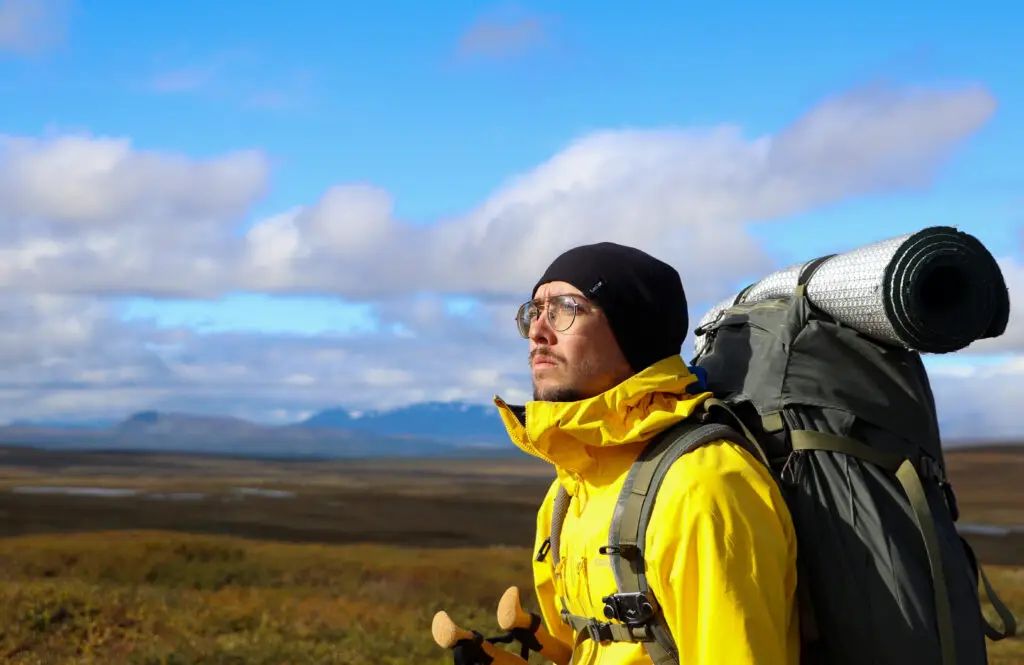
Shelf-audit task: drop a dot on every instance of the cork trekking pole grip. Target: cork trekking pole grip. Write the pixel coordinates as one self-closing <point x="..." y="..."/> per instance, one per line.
<point x="512" y="617"/>
<point x="448" y="635"/>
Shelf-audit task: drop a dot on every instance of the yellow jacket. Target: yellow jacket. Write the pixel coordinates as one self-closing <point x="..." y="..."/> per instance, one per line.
<point x="721" y="548"/>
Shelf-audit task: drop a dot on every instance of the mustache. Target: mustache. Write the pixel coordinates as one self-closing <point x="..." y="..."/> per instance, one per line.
<point x="545" y="353"/>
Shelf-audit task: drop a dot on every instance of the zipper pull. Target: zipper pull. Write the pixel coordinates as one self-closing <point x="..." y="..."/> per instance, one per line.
<point x="545" y="547"/>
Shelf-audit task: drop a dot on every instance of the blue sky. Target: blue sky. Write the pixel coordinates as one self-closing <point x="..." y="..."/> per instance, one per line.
<point x="381" y="93"/>
<point x="427" y="103"/>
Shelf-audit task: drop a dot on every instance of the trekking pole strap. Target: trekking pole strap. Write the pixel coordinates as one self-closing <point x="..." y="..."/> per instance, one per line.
<point x="471" y="652"/>
<point x="527" y="637"/>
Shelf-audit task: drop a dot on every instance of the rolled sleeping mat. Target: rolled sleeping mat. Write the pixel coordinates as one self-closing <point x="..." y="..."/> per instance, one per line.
<point x="933" y="291"/>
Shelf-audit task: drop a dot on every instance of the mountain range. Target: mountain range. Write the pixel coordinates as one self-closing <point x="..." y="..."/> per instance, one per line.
<point x="432" y="429"/>
<point x="420" y="430"/>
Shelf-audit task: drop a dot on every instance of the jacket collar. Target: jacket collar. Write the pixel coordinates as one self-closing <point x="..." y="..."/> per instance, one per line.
<point x="594" y="437"/>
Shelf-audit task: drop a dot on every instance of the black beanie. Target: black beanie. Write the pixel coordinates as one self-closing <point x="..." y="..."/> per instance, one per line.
<point x="641" y="296"/>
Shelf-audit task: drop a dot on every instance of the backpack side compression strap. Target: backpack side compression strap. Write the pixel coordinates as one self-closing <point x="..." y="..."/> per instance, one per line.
<point x="909" y="477"/>
<point x="1005" y="615"/>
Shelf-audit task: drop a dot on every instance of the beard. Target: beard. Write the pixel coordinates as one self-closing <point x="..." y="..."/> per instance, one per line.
<point x="557" y="394"/>
<point x="561" y="393"/>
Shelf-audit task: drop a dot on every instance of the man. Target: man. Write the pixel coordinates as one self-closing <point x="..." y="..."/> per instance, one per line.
<point x="606" y="324"/>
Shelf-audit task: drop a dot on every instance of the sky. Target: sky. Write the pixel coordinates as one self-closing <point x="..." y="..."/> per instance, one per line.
<point x="232" y="208"/>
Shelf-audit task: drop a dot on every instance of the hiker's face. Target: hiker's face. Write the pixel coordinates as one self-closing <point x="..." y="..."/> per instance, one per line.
<point x="578" y="362"/>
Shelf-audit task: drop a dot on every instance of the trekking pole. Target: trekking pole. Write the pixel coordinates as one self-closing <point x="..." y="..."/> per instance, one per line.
<point x="529" y="629"/>
<point x="468" y="646"/>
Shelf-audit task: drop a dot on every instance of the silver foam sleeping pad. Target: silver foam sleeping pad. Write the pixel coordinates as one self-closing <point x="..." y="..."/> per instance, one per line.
<point x="934" y="291"/>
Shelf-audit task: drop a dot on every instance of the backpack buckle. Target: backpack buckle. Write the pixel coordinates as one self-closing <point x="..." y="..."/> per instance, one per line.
<point x="932" y="470"/>
<point x="626" y="551"/>
<point x="632" y="609"/>
<point x="600" y="632"/>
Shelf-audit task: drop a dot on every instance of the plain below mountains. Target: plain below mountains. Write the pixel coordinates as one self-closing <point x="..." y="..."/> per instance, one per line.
<point x="421" y="430"/>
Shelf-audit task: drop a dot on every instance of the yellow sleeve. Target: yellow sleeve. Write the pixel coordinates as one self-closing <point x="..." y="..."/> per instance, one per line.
<point x="543" y="572"/>
<point x="721" y="551"/>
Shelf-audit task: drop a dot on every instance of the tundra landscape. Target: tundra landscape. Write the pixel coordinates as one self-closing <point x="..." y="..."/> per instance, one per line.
<point x="266" y="271"/>
<point x="157" y="558"/>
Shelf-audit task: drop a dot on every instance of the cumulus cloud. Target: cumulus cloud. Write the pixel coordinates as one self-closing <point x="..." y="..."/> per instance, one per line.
<point x="1013" y="338"/>
<point x="93" y="214"/>
<point x="686" y="195"/>
<point x="65" y="354"/>
<point x="83" y="218"/>
<point x="68" y="357"/>
<point x="82" y="214"/>
<point x="980" y="403"/>
<point x="81" y="182"/>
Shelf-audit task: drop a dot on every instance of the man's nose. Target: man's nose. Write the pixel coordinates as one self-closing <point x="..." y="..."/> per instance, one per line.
<point x="541" y="330"/>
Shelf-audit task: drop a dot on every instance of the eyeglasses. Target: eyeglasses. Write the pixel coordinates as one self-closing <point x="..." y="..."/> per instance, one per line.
<point x="561" y="311"/>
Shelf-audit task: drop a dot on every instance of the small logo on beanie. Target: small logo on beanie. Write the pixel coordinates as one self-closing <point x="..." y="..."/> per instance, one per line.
<point x="595" y="287"/>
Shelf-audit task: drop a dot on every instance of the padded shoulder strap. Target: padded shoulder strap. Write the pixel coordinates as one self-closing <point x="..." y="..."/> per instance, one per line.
<point x="559" y="510"/>
<point x="628" y="532"/>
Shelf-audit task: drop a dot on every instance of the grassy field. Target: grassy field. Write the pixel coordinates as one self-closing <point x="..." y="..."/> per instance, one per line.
<point x="348" y="569"/>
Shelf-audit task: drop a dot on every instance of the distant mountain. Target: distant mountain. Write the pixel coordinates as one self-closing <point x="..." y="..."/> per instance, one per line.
<point x="432" y="429"/>
<point x="163" y="424"/>
<point x="449" y="420"/>
<point x="67" y="424"/>
<point x="423" y="430"/>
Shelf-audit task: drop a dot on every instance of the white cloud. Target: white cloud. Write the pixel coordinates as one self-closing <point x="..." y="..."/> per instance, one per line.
<point x="685" y="195"/>
<point x="67" y="358"/>
<point x="1013" y="338"/>
<point x="80" y="214"/>
<point x="80" y="182"/>
<point x="85" y="216"/>
<point x="92" y="214"/>
<point x="981" y="403"/>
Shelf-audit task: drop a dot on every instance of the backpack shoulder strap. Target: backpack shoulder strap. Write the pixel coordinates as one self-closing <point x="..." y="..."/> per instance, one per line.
<point x="559" y="509"/>
<point x="634" y="604"/>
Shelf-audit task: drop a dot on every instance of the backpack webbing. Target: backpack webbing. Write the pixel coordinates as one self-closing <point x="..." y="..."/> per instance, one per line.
<point x="910" y="476"/>
<point x="633" y="612"/>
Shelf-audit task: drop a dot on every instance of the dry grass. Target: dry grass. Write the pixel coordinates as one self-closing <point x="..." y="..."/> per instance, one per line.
<point x="125" y="593"/>
<point x="987" y="483"/>
<point x="154" y="598"/>
<point x="1009" y="584"/>
<point x="149" y="598"/>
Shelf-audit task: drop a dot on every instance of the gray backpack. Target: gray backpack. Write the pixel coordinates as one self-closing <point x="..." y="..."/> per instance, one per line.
<point x="848" y="427"/>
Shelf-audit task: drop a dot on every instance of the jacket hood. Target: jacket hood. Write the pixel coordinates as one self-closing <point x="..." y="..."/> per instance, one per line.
<point x="597" y="436"/>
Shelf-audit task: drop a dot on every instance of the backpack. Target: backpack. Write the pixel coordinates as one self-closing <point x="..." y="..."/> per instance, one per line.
<point x="840" y="420"/>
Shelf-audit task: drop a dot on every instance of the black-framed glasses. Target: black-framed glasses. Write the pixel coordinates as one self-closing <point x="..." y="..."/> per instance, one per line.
<point x="561" y="311"/>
